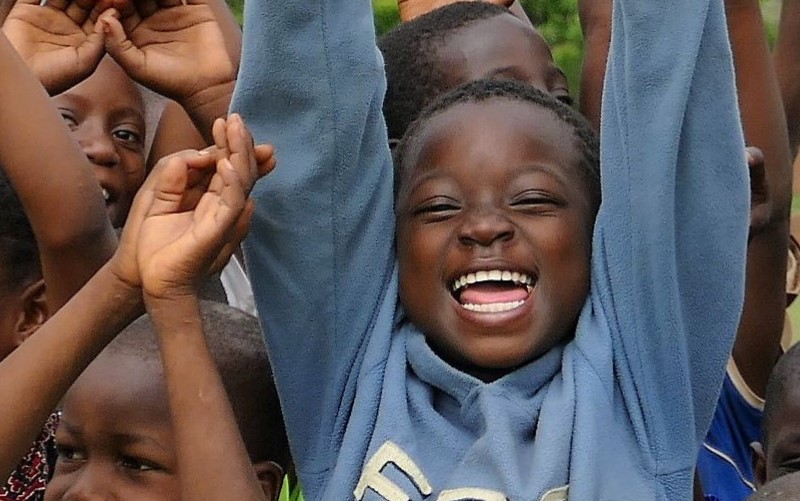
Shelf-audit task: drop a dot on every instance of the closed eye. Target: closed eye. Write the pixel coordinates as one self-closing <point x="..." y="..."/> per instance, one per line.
<point x="437" y="209"/>
<point x="139" y="465"/>
<point x="69" y="118"/>
<point x="535" y="202"/>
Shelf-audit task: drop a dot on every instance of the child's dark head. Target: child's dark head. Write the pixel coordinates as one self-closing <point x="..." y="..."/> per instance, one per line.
<point x="779" y="451"/>
<point x="106" y="114"/>
<point x="457" y="44"/>
<point x="786" y="488"/>
<point x="116" y="440"/>
<point x="22" y="301"/>
<point x="497" y="183"/>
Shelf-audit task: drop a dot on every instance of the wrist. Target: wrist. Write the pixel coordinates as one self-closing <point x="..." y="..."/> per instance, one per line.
<point x="207" y="105"/>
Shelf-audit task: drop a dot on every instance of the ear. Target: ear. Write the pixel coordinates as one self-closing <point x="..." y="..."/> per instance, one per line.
<point x="34" y="310"/>
<point x="759" y="463"/>
<point x="270" y="476"/>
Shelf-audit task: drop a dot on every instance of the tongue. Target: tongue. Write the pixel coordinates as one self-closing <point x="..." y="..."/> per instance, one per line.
<point x="488" y="293"/>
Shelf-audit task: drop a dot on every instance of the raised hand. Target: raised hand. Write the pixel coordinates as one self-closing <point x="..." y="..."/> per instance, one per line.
<point x="194" y="212"/>
<point x="60" y="41"/>
<point x="760" y="199"/>
<point x="176" y="49"/>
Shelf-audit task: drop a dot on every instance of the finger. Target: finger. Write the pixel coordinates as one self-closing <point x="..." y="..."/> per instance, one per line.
<point x="220" y="138"/>
<point x="265" y="159"/>
<point x="242" y="151"/>
<point x="172" y="3"/>
<point x="79" y="10"/>
<point x="234" y="239"/>
<point x="121" y="48"/>
<point x="129" y="14"/>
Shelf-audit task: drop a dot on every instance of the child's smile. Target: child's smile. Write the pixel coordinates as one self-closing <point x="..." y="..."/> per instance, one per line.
<point x="494" y="226"/>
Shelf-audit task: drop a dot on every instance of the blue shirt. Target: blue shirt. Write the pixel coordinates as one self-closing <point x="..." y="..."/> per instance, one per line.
<point x="620" y="411"/>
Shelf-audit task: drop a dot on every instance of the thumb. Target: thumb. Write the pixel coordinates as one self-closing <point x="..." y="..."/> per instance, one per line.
<point x="92" y="49"/>
<point x="120" y="47"/>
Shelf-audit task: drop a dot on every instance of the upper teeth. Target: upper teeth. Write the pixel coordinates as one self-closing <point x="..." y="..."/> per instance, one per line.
<point x="491" y="276"/>
<point x="106" y="194"/>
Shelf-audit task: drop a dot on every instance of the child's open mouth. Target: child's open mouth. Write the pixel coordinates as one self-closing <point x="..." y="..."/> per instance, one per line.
<point x="492" y="291"/>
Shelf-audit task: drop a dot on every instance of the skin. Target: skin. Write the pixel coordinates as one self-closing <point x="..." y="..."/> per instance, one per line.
<point x="115" y="440"/>
<point x="110" y="130"/>
<point x="522" y="217"/>
<point x="780" y="455"/>
<point x="503" y="47"/>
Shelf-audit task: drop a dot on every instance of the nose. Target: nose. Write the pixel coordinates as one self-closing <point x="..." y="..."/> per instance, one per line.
<point x="90" y="483"/>
<point x="97" y="144"/>
<point x="485" y="228"/>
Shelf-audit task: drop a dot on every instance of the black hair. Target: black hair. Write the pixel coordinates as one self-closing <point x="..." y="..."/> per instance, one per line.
<point x="237" y="347"/>
<point x="782" y="381"/>
<point x="783" y="488"/>
<point x="19" y="254"/>
<point x="414" y="75"/>
<point x="485" y="90"/>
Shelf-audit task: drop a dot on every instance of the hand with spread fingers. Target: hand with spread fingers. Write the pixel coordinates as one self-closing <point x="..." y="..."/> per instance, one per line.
<point x="176" y="49"/>
<point x="62" y="41"/>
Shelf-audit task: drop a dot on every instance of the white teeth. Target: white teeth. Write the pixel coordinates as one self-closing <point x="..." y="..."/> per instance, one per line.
<point x="493" y="307"/>
<point x="492" y="276"/>
<point x="106" y="194"/>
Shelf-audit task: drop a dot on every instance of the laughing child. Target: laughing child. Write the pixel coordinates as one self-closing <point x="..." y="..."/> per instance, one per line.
<point x="520" y="336"/>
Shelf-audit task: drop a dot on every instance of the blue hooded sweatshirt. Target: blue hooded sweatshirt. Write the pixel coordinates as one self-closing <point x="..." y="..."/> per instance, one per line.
<point x="616" y="413"/>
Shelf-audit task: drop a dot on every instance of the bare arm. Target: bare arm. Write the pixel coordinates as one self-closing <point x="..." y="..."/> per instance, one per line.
<point x="199" y="406"/>
<point x="786" y="57"/>
<point x="57" y="188"/>
<point x="595" y="17"/>
<point x="757" y="343"/>
<point x="175" y="132"/>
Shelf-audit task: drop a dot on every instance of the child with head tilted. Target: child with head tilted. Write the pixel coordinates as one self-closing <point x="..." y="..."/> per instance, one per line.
<point x="535" y="319"/>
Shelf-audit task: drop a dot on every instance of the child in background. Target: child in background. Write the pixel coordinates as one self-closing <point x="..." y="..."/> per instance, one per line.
<point x="456" y="44"/>
<point x="778" y="452"/>
<point x="528" y="381"/>
<point x="123" y="394"/>
<point x="786" y="488"/>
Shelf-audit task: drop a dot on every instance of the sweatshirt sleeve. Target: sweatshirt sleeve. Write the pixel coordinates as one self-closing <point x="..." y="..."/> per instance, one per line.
<point x="320" y="250"/>
<point x="670" y="238"/>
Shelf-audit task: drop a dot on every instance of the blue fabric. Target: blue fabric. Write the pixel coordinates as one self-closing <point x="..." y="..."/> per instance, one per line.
<point x="725" y="462"/>
<point x="617" y="413"/>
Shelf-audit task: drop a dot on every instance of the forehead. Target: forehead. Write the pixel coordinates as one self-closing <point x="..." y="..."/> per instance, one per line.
<point x="470" y="138"/>
<point x="501" y="46"/>
<point x="119" y="393"/>
<point x="110" y="89"/>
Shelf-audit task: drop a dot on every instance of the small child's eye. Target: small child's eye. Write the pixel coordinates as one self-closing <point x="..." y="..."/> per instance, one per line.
<point x="70" y="454"/>
<point x="69" y="118"/>
<point x="127" y="136"/>
<point x="438" y="209"/>
<point x="132" y="463"/>
<point x="564" y="97"/>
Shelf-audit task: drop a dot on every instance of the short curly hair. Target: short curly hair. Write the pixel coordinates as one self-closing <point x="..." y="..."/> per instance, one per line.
<point x="413" y="76"/>
<point x="19" y="253"/>
<point x="488" y="90"/>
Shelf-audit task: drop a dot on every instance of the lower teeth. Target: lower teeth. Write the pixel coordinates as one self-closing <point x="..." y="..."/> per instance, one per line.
<point x="493" y="307"/>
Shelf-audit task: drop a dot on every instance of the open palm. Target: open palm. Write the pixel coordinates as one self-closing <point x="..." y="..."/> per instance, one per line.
<point x="175" y="49"/>
<point x="59" y="41"/>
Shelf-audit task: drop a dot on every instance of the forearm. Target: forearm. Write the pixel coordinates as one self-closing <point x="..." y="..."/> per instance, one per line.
<point x="199" y="406"/>
<point x="208" y="105"/>
<point x="763" y="117"/>
<point x="35" y="376"/>
<point x="595" y="17"/>
<point x="58" y="189"/>
<point x="787" y="66"/>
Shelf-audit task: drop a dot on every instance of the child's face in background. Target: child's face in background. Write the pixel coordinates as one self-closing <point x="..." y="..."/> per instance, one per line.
<point x="105" y="113"/>
<point x="502" y="47"/>
<point x="782" y="454"/>
<point x="493" y="187"/>
<point x="115" y="439"/>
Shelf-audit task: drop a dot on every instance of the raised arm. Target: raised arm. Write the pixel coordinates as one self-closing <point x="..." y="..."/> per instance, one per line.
<point x="320" y="252"/>
<point x="787" y="55"/>
<point x="170" y="268"/>
<point x="595" y="18"/>
<point x="56" y="184"/>
<point x="670" y="237"/>
<point x="757" y="345"/>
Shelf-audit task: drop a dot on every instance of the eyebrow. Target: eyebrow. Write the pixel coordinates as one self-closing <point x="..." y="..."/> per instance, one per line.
<point x="126" y="439"/>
